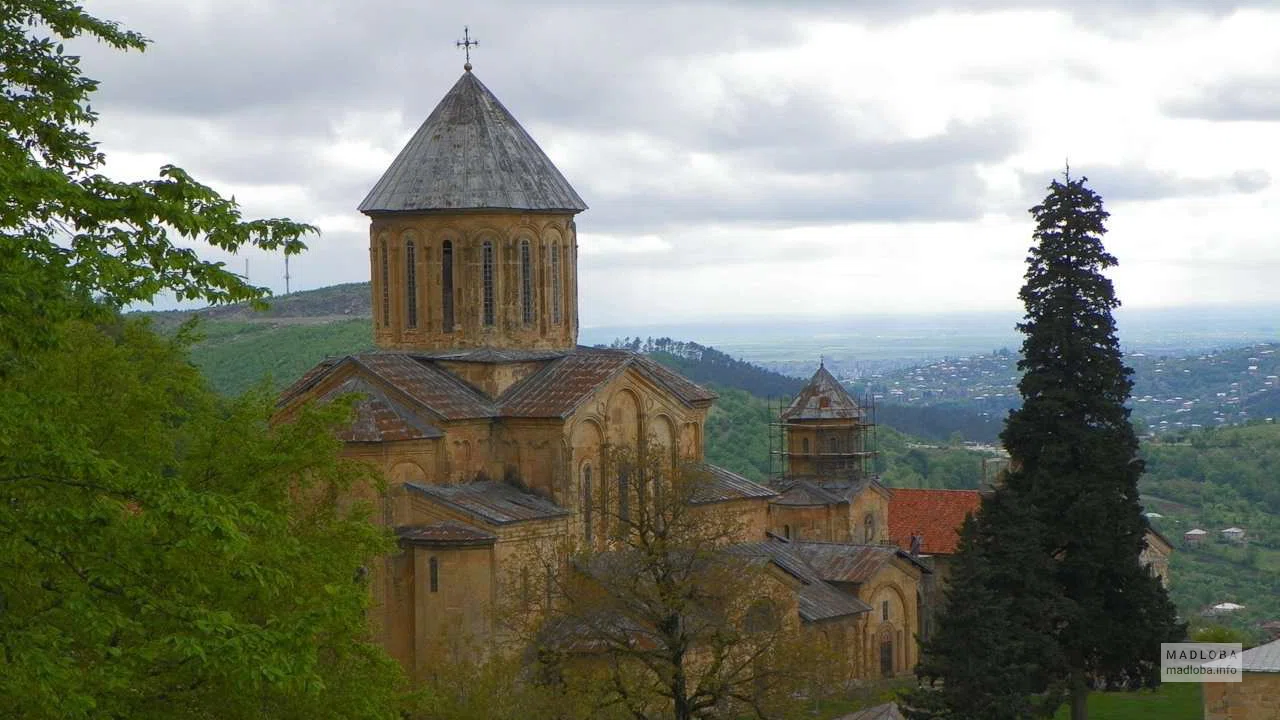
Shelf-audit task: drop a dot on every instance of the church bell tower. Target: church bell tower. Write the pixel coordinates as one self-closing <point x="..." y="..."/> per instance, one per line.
<point x="472" y="236"/>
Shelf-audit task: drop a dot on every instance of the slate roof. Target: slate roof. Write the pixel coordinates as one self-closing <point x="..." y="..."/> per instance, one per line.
<point x="1263" y="659"/>
<point x="379" y="418"/>
<point x="446" y="533"/>
<point x="724" y="485"/>
<point x="471" y="153"/>
<point x="803" y="493"/>
<point x="935" y="514"/>
<point x="823" y="398"/>
<point x="489" y="355"/>
<point x="431" y="386"/>
<point x="811" y="491"/>
<point x="887" y="711"/>
<point x="560" y="388"/>
<point x="816" y="599"/>
<point x="848" y="563"/>
<point x="416" y="383"/>
<point x="495" y="502"/>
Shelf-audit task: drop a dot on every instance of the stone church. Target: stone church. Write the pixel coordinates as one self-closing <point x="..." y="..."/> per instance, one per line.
<point x="489" y="421"/>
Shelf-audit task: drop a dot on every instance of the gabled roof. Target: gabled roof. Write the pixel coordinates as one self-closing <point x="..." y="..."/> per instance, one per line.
<point x="564" y="384"/>
<point x="495" y="502"/>
<point x="823" y="398"/>
<point x="887" y="711"/>
<point x="471" y="154"/>
<point x="817" y="600"/>
<point x="849" y="563"/>
<point x="803" y="493"/>
<point x="378" y="417"/>
<point x="433" y="387"/>
<point x="935" y="514"/>
<point x="446" y="533"/>
<point x="724" y="485"/>
<point x="409" y="384"/>
<point x="1262" y="659"/>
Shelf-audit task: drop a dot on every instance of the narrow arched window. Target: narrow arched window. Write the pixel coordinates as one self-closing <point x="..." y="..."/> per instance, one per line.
<point x="804" y="445"/>
<point x="411" y="284"/>
<point x="446" y="285"/>
<point x="624" y="501"/>
<point x="869" y="528"/>
<point x="786" y="531"/>
<point x="555" y="284"/>
<point x="487" y="281"/>
<point x="586" y="504"/>
<point x="386" y="287"/>
<point x="433" y="574"/>
<point x="526" y="283"/>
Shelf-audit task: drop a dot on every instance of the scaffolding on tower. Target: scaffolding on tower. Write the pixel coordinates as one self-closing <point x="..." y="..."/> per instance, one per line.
<point x="842" y="450"/>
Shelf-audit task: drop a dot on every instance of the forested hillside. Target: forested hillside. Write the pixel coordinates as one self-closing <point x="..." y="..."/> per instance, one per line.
<point x="1207" y="478"/>
<point x="1214" y="479"/>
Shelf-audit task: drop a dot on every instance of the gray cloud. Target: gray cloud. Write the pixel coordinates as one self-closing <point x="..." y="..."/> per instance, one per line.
<point x="1255" y="98"/>
<point x="1120" y="183"/>
<point x="276" y="78"/>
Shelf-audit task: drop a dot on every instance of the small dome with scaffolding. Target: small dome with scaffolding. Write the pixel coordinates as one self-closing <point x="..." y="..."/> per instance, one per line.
<point x="823" y="398"/>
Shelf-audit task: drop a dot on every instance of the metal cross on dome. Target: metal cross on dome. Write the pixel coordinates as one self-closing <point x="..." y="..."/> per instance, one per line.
<point x="466" y="43"/>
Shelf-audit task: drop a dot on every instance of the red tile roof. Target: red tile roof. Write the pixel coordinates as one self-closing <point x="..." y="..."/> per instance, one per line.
<point x="935" y="514"/>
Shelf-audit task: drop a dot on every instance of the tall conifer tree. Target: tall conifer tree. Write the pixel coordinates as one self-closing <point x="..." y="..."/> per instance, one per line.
<point x="1086" y="604"/>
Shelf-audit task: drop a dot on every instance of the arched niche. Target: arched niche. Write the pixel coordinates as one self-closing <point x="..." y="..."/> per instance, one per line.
<point x="662" y="433"/>
<point x="623" y="418"/>
<point x="586" y="485"/>
<point x="397" y="507"/>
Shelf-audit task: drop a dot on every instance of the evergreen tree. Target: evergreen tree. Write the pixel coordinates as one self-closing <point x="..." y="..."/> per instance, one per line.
<point x="1062" y="552"/>
<point x="1076" y="454"/>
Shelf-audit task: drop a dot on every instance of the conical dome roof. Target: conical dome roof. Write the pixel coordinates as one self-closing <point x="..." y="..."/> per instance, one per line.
<point x="471" y="154"/>
<point x="823" y="398"/>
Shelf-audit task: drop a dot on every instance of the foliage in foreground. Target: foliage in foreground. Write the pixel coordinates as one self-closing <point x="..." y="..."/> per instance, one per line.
<point x="165" y="553"/>
<point x="68" y="232"/>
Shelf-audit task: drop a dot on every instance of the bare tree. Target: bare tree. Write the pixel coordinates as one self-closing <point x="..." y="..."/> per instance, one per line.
<point x="661" y="617"/>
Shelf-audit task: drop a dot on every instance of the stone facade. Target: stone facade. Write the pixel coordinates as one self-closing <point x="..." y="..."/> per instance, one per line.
<point x="473" y="280"/>
<point x="491" y="426"/>
<point x="1255" y="697"/>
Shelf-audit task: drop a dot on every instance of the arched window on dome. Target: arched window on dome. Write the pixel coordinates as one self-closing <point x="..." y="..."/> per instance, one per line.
<point x="386" y="286"/>
<point x="446" y="285"/>
<point x="411" y="284"/>
<point x="556" y="309"/>
<point x="487" y="281"/>
<point x="526" y="283"/>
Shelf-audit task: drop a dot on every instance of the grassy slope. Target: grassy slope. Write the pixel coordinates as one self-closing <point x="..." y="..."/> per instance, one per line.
<point x="1171" y="701"/>
<point x="236" y="355"/>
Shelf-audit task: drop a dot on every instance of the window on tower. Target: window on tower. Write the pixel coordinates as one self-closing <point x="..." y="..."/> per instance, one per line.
<point x="411" y="284"/>
<point x="555" y="284"/>
<point x="526" y="283"/>
<point x="446" y="285"/>
<point x="386" y="286"/>
<point x="487" y="281"/>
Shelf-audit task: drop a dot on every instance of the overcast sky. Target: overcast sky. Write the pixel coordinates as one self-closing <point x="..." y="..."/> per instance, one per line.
<point x="763" y="157"/>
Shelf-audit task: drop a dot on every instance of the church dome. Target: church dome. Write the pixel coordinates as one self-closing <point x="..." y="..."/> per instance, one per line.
<point x="471" y="154"/>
